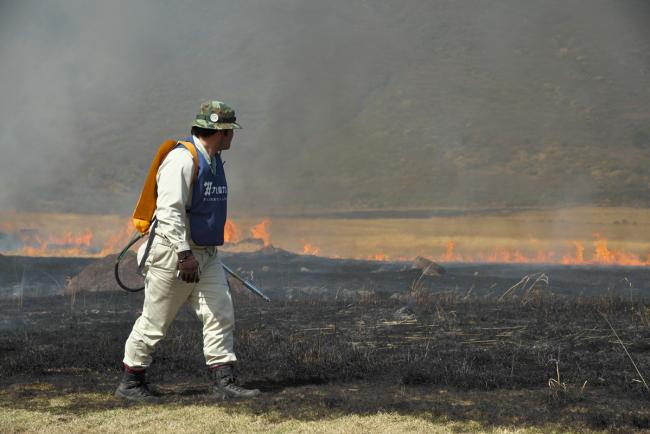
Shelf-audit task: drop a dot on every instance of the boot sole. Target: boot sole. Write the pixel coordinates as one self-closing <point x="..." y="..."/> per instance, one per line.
<point x="145" y="399"/>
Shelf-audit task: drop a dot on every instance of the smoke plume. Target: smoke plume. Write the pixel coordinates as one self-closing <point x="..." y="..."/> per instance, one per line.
<point x="345" y="104"/>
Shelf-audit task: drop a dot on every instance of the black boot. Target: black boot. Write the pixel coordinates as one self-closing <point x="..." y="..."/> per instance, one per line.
<point x="134" y="387"/>
<point x="225" y="387"/>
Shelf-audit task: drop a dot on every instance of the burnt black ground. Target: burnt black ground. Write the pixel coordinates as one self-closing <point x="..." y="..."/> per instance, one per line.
<point x="372" y="324"/>
<point x="35" y="277"/>
<point x="287" y="275"/>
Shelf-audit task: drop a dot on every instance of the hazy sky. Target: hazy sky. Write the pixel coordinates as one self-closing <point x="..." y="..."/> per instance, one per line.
<point x="339" y="100"/>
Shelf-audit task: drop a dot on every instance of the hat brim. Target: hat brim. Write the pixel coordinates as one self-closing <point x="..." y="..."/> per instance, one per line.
<point x="217" y="126"/>
<point x="230" y="126"/>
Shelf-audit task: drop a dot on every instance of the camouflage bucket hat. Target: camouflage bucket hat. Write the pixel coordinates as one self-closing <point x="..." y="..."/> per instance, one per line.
<point x="216" y="115"/>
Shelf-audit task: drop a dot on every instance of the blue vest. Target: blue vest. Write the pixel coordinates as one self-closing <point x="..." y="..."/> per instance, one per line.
<point x="207" y="213"/>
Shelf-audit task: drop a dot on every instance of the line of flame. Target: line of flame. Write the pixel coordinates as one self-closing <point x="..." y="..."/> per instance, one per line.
<point x="83" y="243"/>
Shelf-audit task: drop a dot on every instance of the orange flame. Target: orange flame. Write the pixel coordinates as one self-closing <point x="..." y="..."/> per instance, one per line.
<point x="26" y="241"/>
<point x="602" y="255"/>
<point x="117" y="239"/>
<point x="261" y="231"/>
<point x="309" y="249"/>
<point x="449" y="254"/>
<point x="68" y="243"/>
<point x="231" y="234"/>
<point x="579" y="257"/>
<point x="46" y="235"/>
<point x="25" y="238"/>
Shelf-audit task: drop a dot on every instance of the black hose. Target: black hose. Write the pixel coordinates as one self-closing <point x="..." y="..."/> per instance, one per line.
<point x="137" y="237"/>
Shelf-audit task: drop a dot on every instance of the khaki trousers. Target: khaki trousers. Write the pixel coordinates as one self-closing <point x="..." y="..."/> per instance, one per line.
<point x="165" y="294"/>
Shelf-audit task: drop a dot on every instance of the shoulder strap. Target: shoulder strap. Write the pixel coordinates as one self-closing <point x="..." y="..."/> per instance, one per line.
<point x="190" y="147"/>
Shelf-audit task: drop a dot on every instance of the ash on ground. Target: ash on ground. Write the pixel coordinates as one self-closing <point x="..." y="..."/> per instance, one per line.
<point x="288" y="276"/>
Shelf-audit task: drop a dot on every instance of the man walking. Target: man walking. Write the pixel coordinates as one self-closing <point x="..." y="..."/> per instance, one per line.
<point x="183" y="264"/>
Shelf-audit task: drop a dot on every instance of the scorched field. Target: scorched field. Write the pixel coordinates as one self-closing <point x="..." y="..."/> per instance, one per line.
<point x="345" y="346"/>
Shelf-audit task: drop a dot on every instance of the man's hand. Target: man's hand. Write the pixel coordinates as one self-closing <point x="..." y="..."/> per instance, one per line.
<point x="188" y="267"/>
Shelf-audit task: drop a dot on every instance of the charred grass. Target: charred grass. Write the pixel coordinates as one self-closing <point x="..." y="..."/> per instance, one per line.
<point x="511" y="361"/>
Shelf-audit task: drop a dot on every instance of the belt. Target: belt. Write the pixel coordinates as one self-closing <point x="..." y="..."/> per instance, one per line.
<point x="210" y="250"/>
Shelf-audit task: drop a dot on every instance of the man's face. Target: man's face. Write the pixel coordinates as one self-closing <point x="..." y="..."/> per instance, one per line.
<point x="221" y="140"/>
<point x="227" y="136"/>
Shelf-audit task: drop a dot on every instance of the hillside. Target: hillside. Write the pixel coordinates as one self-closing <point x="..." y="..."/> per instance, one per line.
<point x="345" y="105"/>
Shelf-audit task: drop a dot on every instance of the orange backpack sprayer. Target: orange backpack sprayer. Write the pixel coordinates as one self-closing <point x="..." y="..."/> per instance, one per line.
<point x="143" y="217"/>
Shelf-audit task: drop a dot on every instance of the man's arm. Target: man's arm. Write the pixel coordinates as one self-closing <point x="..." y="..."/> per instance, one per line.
<point x="174" y="181"/>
